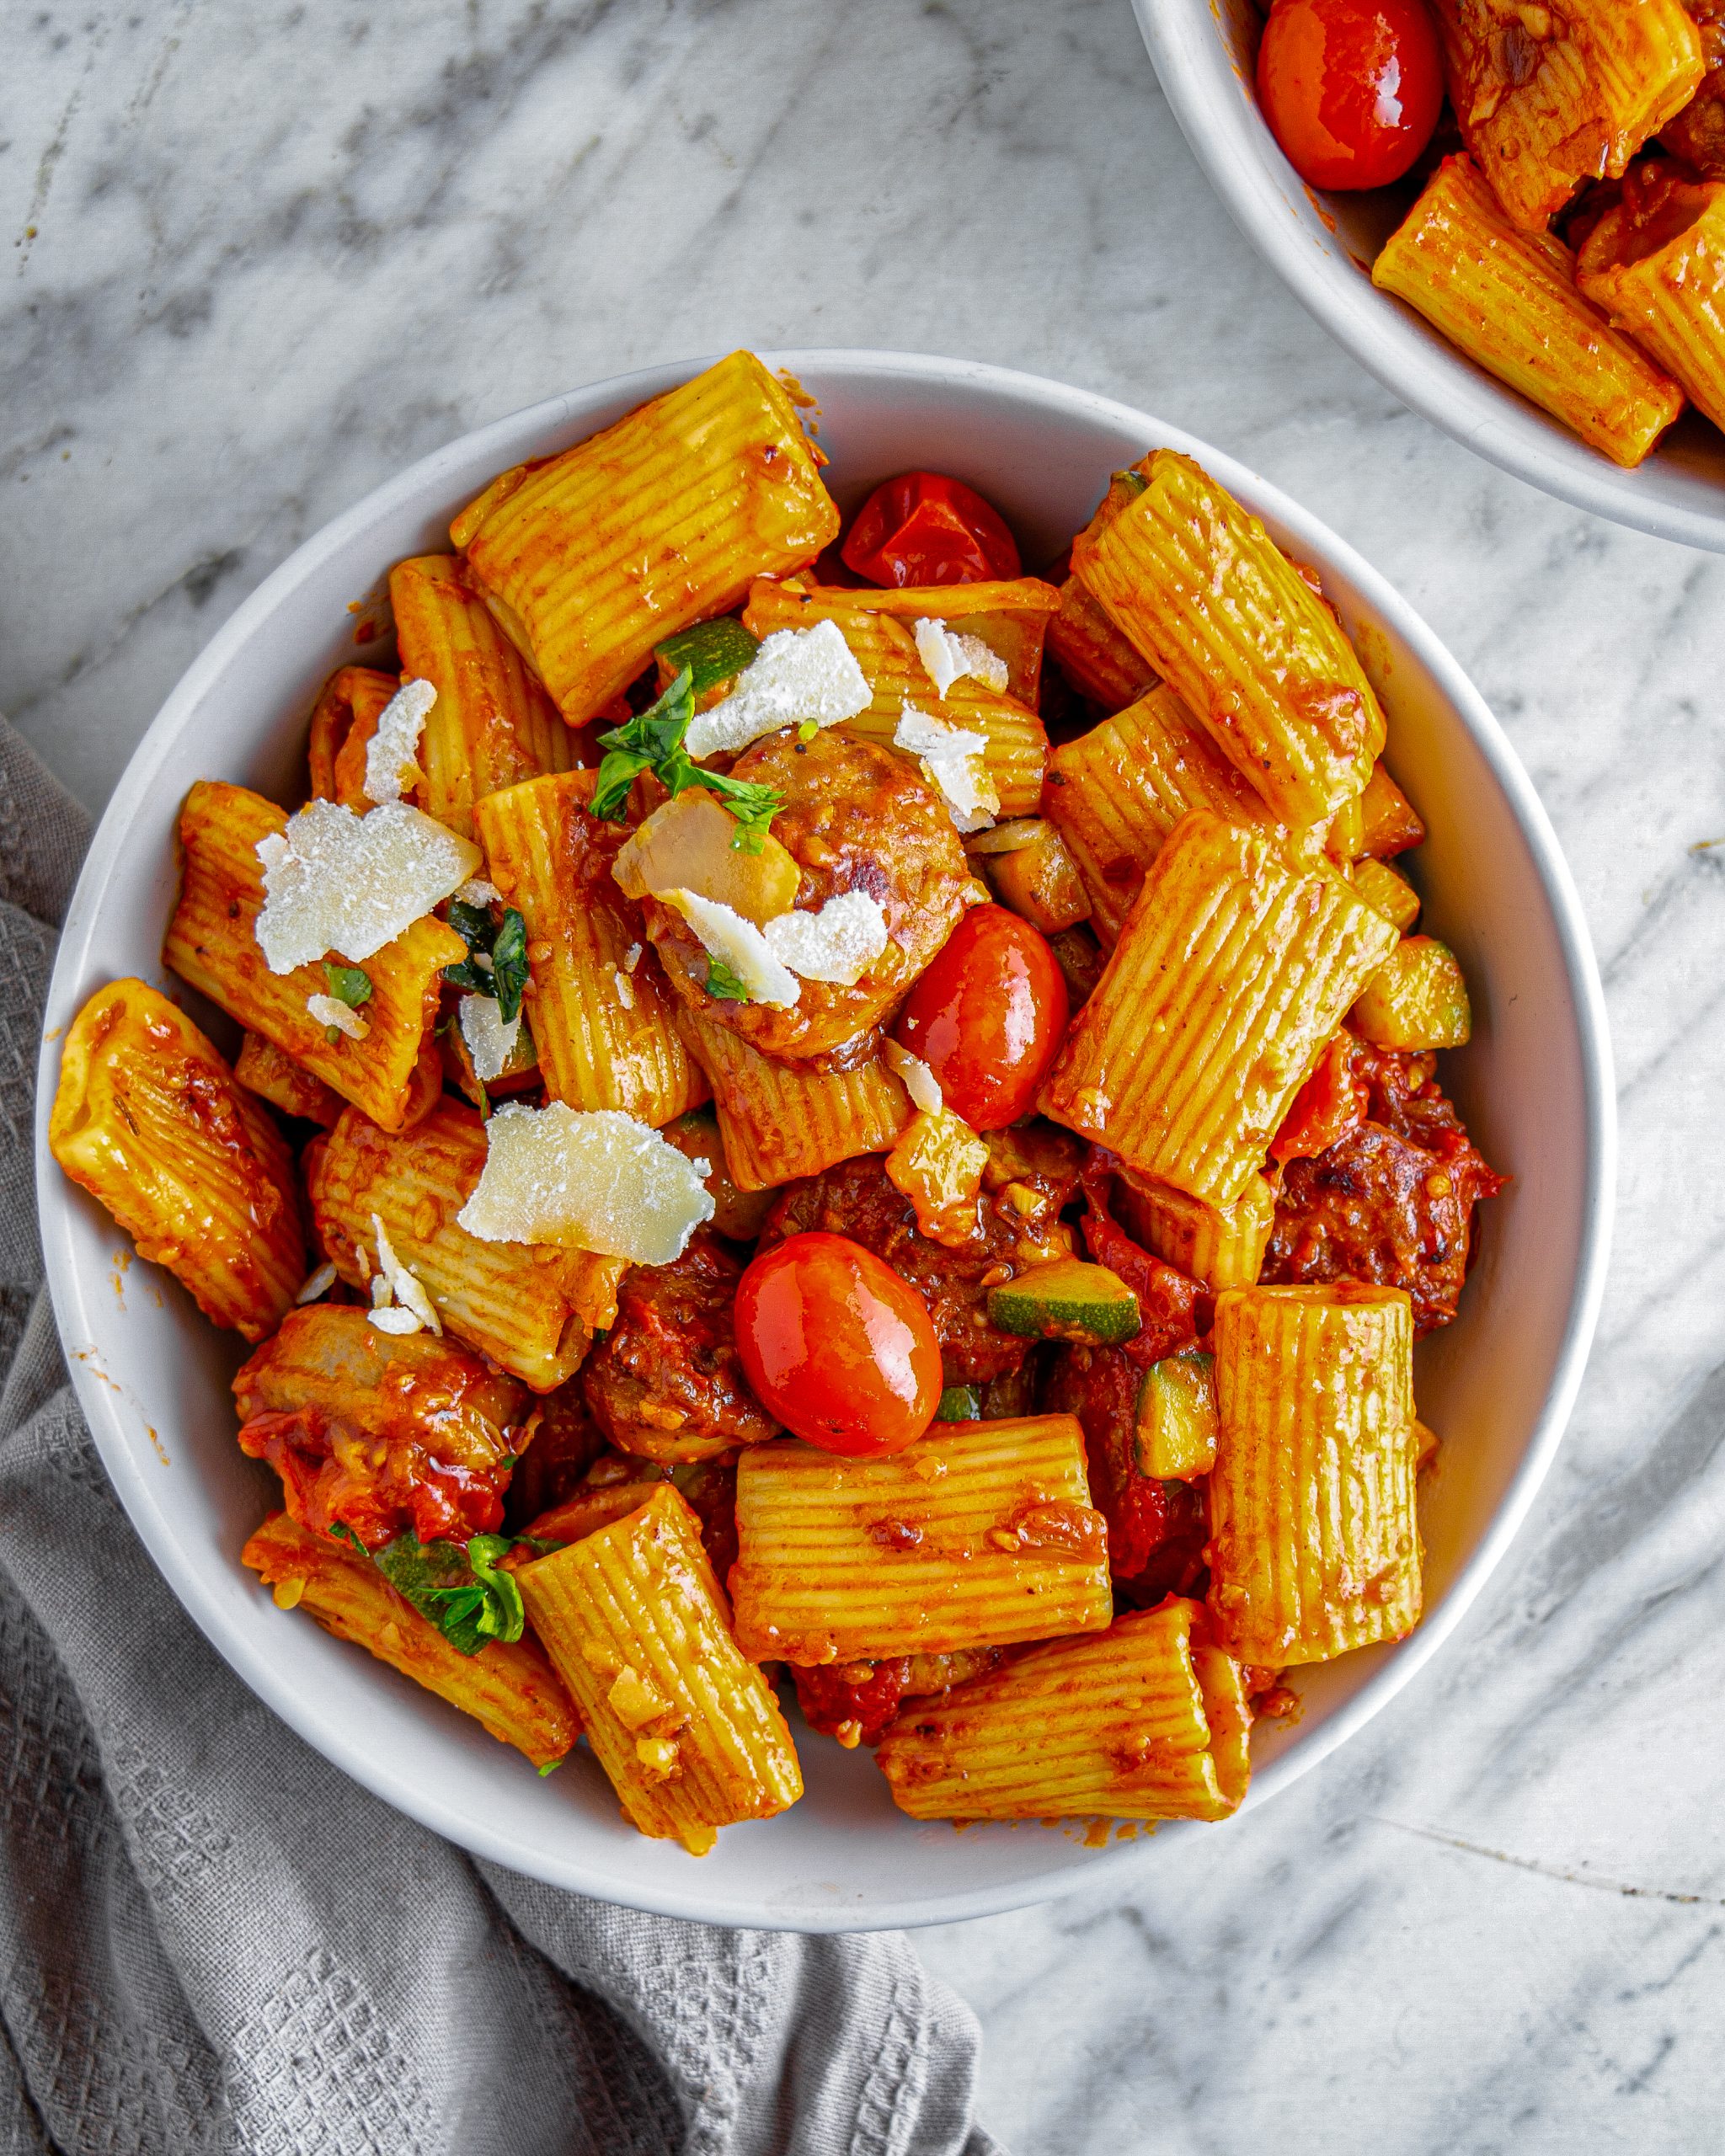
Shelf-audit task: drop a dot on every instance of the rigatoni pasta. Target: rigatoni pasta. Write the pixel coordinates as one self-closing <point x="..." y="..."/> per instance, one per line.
<point x="493" y="724"/>
<point x="600" y="1009"/>
<point x="1205" y="594"/>
<point x="1656" y="264"/>
<point x="1508" y="297"/>
<point x="148" y="1118"/>
<point x="1315" y="1545"/>
<point x="212" y="944"/>
<point x="589" y="558"/>
<point x="508" y="1687"/>
<point x="981" y="1532"/>
<point x="532" y="1308"/>
<point x="688" y="1730"/>
<point x="1147" y="1720"/>
<point x="1234" y="967"/>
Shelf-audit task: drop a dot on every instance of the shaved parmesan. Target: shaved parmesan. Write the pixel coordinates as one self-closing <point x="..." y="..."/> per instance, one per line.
<point x="403" y="1285"/>
<point x="948" y="656"/>
<point x="393" y="1319"/>
<point x="919" y="1082"/>
<point x="797" y="677"/>
<point x="393" y="752"/>
<point x="333" y="881"/>
<point x="490" y="1043"/>
<point x="595" y="1180"/>
<point x="738" y="944"/>
<point x="840" y="943"/>
<point x="625" y="988"/>
<point x="317" y="1284"/>
<point x="477" y="891"/>
<point x="331" y="1011"/>
<point x="952" y="760"/>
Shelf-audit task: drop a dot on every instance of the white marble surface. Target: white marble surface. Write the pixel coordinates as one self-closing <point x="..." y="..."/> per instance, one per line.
<point x="261" y="257"/>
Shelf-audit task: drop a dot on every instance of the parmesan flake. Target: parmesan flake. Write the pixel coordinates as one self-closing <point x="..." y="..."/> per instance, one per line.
<point x="331" y="1011"/>
<point x="625" y="988"/>
<point x="477" y="891"/>
<point x="489" y="1043"/>
<point x="334" y="881"/>
<point x="952" y="761"/>
<point x="738" y="944"/>
<point x="839" y="943"/>
<point x="595" y="1180"/>
<point x="919" y="1082"/>
<point x="632" y="958"/>
<point x="799" y="676"/>
<point x="393" y="752"/>
<point x="947" y="656"/>
<point x="317" y="1284"/>
<point x="403" y="1285"/>
<point x="393" y="1319"/>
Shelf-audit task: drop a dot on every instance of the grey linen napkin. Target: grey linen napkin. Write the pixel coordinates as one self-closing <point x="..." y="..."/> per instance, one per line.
<point x="211" y="1939"/>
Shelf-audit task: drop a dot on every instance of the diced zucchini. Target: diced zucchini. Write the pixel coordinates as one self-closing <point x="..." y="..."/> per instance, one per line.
<point x="1176" y="1436"/>
<point x="1067" y="1300"/>
<point x="961" y="1403"/>
<point x="1386" y="892"/>
<point x="1391" y="821"/>
<point x="1040" y="882"/>
<point x="1417" y="999"/>
<point x="714" y="652"/>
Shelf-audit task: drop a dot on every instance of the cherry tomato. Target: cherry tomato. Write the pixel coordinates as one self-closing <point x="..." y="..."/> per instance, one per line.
<point x="924" y="528"/>
<point x="836" y="1345"/>
<point x="988" y="1017"/>
<point x="1351" y="88"/>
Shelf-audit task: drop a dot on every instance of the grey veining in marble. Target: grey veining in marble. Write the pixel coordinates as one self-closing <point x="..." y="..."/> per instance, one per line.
<point x="260" y="257"/>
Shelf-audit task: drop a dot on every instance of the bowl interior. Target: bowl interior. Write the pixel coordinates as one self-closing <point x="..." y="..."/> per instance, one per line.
<point x="1323" y="245"/>
<point x="154" y="1377"/>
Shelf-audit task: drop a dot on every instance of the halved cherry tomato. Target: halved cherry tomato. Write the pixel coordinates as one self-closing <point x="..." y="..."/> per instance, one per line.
<point x="836" y="1345"/>
<point x="988" y="1017"/>
<point x="924" y="528"/>
<point x="1352" y="88"/>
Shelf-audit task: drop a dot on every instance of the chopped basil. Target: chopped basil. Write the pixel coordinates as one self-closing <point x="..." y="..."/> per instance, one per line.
<point x="723" y="984"/>
<point x="654" y="741"/>
<point x="458" y="1587"/>
<point x="496" y="963"/>
<point x="347" y="984"/>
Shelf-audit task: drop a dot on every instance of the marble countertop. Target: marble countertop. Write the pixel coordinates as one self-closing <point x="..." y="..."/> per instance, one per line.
<point x="261" y="257"/>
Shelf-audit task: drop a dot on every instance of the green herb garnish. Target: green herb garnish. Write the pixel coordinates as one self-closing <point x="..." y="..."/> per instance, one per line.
<point x="458" y="1587"/>
<point x="505" y="976"/>
<point x="654" y="741"/>
<point x="723" y="984"/>
<point x="347" y="984"/>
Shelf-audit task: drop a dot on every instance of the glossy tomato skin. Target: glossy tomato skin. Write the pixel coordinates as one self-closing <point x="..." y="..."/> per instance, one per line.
<point x="988" y="1017"/>
<point x="924" y="528"/>
<point x="1352" y="88"/>
<point x="837" y="1347"/>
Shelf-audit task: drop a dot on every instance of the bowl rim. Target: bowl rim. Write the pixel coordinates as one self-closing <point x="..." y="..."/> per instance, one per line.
<point x="422" y="1801"/>
<point x="1412" y="361"/>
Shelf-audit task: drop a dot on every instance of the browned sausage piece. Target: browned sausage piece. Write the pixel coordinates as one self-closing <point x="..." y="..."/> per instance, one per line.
<point x="857" y="818"/>
<point x="666" y="1383"/>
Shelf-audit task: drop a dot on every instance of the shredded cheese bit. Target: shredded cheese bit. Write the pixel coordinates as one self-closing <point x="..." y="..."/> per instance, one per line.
<point x="595" y="1180"/>
<point x="393" y="1319"/>
<point x="797" y="677"/>
<point x="316" y="1284"/>
<point x="477" y="891"/>
<point x="840" y="943"/>
<point x="393" y="752"/>
<point x="948" y="656"/>
<point x="333" y="881"/>
<point x="737" y="943"/>
<point x="398" y="1281"/>
<point x="331" y="1011"/>
<point x="919" y="1082"/>
<point x="632" y="958"/>
<point x="489" y="1043"/>
<point x="625" y="988"/>
<point x="951" y="762"/>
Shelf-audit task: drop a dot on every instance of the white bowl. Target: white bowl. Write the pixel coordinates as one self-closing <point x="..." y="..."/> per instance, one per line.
<point x="1534" y="1086"/>
<point x="1323" y="247"/>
